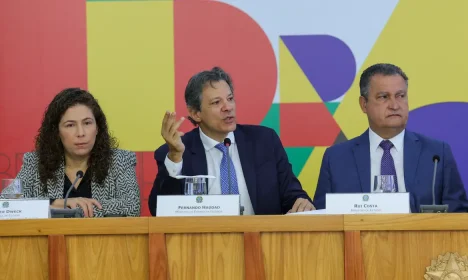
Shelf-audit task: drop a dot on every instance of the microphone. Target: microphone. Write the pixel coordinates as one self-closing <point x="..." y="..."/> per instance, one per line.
<point x="434" y="208"/>
<point x="79" y="175"/>
<point x="227" y="144"/>
<point x="68" y="213"/>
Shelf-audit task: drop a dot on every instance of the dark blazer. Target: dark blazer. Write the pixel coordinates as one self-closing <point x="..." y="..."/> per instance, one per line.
<point x="272" y="186"/>
<point x="119" y="194"/>
<point x="346" y="169"/>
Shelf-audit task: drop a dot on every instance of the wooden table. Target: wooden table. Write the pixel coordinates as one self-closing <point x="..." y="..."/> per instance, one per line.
<point x="246" y="247"/>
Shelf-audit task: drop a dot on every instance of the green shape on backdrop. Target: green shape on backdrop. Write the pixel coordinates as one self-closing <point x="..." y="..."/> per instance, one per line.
<point x="272" y="118"/>
<point x="298" y="157"/>
<point x="332" y="106"/>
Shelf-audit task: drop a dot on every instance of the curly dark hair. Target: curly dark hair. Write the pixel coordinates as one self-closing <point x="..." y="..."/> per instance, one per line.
<point x="49" y="147"/>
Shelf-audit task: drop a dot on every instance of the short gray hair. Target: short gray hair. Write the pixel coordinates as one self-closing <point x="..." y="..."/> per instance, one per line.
<point x="194" y="89"/>
<point x="385" y="69"/>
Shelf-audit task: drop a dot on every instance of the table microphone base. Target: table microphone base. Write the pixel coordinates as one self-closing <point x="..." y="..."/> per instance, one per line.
<point x="65" y="213"/>
<point x="434" y="208"/>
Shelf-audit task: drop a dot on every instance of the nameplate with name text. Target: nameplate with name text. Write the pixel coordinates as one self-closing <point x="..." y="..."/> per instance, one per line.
<point x="368" y="203"/>
<point x="11" y="209"/>
<point x="197" y="205"/>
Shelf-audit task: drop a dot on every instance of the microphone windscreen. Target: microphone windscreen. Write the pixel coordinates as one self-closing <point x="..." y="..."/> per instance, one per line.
<point x="79" y="174"/>
<point x="227" y="142"/>
<point x="436" y="157"/>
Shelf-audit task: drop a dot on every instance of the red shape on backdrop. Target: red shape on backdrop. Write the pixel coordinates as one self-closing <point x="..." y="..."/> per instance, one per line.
<point x="146" y="171"/>
<point x="43" y="51"/>
<point x="211" y="33"/>
<point x="306" y="125"/>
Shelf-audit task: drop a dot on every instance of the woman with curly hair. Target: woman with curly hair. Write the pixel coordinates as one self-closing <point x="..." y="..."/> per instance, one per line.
<point x="74" y="137"/>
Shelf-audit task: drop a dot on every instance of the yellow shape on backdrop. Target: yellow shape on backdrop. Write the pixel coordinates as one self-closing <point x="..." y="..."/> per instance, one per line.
<point x="427" y="39"/>
<point x="131" y="67"/>
<point x="294" y="85"/>
<point x="311" y="170"/>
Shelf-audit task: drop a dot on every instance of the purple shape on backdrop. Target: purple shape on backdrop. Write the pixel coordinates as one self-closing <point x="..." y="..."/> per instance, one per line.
<point x="326" y="61"/>
<point x="445" y="122"/>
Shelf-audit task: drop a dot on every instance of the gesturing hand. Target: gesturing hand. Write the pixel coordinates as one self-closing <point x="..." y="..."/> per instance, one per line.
<point x="171" y="134"/>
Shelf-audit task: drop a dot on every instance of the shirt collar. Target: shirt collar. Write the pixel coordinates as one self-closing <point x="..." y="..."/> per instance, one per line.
<point x="375" y="139"/>
<point x="210" y="143"/>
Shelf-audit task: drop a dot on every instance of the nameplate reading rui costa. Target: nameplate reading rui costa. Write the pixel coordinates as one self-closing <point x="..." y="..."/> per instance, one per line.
<point x="368" y="203"/>
<point x="197" y="205"/>
<point x="11" y="209"/>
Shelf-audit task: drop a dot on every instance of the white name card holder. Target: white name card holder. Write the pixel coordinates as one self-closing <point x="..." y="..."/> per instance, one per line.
<point x="12" y="209"/>
<point x="198" y="205"/>
<point x="368" y="203"/>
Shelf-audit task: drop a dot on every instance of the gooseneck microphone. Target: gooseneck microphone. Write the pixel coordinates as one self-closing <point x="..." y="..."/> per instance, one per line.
<point x="65" y="212"/>
<point x="434" y="208"/>
<point x="227" y="144"/>
<point x="79" y="175"/>
<point x="436" y="160"/>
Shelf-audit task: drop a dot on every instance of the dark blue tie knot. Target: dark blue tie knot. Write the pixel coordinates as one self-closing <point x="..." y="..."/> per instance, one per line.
<point x="386" y="145"/>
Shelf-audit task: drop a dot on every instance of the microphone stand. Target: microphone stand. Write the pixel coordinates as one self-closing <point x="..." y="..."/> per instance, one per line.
<point x="67" y="212"/>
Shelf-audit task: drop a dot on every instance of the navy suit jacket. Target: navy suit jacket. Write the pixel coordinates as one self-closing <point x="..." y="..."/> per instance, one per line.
<point x="271" y="184"/>
<point x="346" y="169"/>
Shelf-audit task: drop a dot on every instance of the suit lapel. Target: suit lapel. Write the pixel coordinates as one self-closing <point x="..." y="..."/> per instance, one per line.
<point x="198" y="165"/>
<point x="412" y="151"/>
<point x="97" y="189"/>
<point x="55" y="186"/>
<point x="246" y="154"/>
<point x="361" y="153"/>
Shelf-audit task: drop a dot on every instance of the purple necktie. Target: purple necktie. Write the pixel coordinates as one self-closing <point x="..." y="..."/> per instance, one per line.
<point x="387" y="167"/>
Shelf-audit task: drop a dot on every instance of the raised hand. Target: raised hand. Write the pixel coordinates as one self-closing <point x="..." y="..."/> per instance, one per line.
<point x="171" y="134"/>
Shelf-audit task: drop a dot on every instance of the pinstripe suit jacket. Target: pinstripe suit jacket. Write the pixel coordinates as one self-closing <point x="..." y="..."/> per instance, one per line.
<point x="119" y="194"/>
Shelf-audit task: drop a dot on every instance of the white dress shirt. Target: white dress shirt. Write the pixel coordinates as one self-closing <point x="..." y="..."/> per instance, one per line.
<point x="213" y="160"/>
<point x="376" y="153"/>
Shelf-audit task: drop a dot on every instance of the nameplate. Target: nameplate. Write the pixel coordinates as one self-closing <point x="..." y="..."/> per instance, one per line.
<point x="11" y="209"/>
<point x="197" y="205"/>
<point x="368" y="203"/>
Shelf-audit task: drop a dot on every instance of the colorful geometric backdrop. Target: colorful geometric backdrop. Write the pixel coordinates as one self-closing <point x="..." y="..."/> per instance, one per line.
<point x="295" y="66"/>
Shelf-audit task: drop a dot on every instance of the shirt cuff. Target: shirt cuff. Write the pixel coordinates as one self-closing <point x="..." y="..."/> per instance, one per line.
<point x="173" y="168"/>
